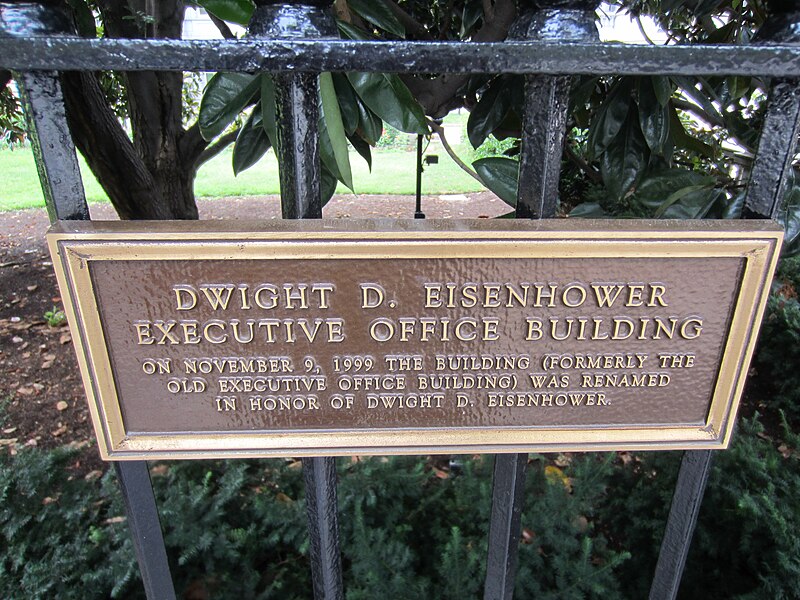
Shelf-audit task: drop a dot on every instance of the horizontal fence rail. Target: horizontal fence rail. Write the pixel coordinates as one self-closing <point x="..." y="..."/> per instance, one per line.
<point x="596" y="58"/>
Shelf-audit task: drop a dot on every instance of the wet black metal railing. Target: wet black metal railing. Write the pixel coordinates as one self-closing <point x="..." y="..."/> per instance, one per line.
<point x="554" y="44"/>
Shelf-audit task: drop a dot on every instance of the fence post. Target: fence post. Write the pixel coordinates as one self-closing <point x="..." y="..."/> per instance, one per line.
<point x="547" y="105"/>
<point x="60" y="176"/>
<point x="43" y="104"/>
<point x="297" y="97"/>
<point x="543" y="132"/>
<point x="772" y="165"/>
<point x="686" y="502"/>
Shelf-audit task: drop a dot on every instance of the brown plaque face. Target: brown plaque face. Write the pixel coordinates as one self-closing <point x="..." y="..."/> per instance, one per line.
<point x="310" y="338"/>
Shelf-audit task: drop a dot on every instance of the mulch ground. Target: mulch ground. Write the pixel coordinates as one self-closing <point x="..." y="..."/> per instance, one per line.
<point x="41" y="396"/>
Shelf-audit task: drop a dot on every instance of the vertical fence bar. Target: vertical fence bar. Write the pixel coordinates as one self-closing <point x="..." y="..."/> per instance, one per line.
<point x="418" y="214"/>
<point x="298" y="145"/>
<point x="296" y="97"/>
<point x="148" y="540"/>
<point x="772" y="165"/>
<point x="777" y="144"/>
<point x="769" y="179"/>
<point x="543" y="131"/>
<point x="323" y="524"/>
<point x="683" y="512"/>
<point x="508" y="490"/>
<point x="544" y="124"/>
<point x="52" y="146"/>
<point x="60" y="176"/>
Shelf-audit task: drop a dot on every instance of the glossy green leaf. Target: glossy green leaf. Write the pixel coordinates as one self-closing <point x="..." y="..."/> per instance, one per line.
<point x="653" y="118"/>
<point x="352" y="32"/>
<point x="662" y="86"/>
<point x="268" y="111"/>
<point x="489" y="112"/>
<point x="225" y="96"/>
<point x="327" y="185"/>
<point x="677" y="196"/>
<point x="370" y="126"/>
<point x="84" y="18"/>
<point x="470" y="16"/>
<point x="655" y="190"/>
<point x="689" y="89"/>
<point x="251" y="143"/>
<point x="734" y="207"/>
<point x="362" y="148"/>
<point x="610" y="118"/>
<point x="694" y="204"/>
<point x="682" y="138"/>
<point x="377" y="13"/>
<point x="501" y="175"/>
<point x="791" y="222"/>
<point x="335" y="128"/>
<point x="625" y="160"/>
<point x="389" y="98"/>
<point x="738" y="86"/>
<point x="348" y="102"/>
<point x="589" y="210"/>
<point x="235" y="11"/>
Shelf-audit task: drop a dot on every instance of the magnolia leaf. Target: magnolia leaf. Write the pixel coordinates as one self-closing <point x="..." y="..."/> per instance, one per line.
<point x="734" y="207"/>
<point x="377" y="13"/>
<point x="624" y="161"/>
<point x="251" y="143"/>
<point x="84" y="18"/>
<point x="327" y="185"/>
<point x="653" y="119"/>
<point x="658" y="186"/>
<point x="225" y="96"/>
<point x="348" y="102"/>
<point x="677" y="196"/>
<point x="389" y="98"/>
<point x="268" y="117"/>
<point x="490" y="111"/>
<point x="370" y="126"/>
<point x="589" y="210"/>
<point x="662" y="87"/>
<point x="235" y="11"/>
<point x="499" y="175"/>
<point x="610" y="118"/>
<point x="362" y="148"/>
<point x="791" y="223"/>
<point x="335" y="128"/>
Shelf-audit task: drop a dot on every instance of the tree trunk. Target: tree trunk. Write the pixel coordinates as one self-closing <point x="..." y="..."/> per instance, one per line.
<point x="150" y="176"/>
<point x="158" y="187"/>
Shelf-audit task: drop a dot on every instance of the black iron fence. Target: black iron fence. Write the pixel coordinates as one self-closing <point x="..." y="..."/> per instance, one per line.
<point x="290" y="41"/>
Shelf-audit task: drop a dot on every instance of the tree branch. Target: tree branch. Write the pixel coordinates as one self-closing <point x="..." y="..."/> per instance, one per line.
<point x="213" y="149"/>
<point x="583" y="165"/>
<point x="448" y="16"/>
<point x="107" y="149"/>
<point x="222" y="26"/>
<point x="439" y="130"/>
<point x="410" y="24"/>
<point x="488" y="10"/>
<point x="437" y="95"/>
<point x="191" y="144"/>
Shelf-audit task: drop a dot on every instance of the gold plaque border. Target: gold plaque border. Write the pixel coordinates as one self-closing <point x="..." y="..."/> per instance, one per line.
<point x="73" y="245"/>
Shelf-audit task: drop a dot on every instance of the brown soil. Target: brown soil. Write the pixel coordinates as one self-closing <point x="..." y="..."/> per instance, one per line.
<point x="41" y="396"/>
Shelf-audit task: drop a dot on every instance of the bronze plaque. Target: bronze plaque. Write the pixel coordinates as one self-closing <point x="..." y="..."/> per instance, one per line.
<point x="200" y="339"/>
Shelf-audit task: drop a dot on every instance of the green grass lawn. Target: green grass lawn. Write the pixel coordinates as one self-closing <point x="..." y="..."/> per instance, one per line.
<point x="393" y="172"/>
